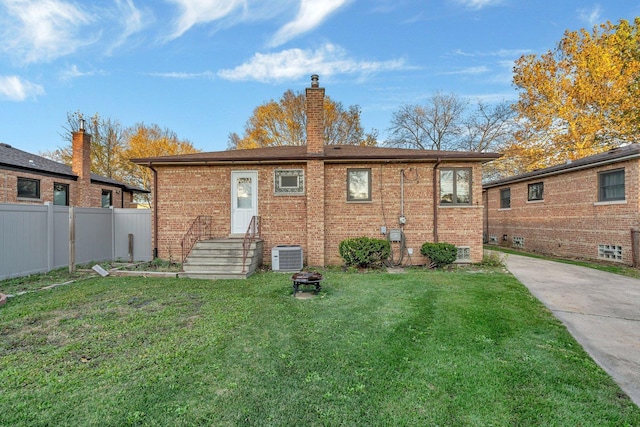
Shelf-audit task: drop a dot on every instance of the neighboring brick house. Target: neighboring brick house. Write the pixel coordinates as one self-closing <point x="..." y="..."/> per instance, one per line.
<point x="317" y="195"/>
<point x="31" y="179"/>
<point x="588" y="208"/>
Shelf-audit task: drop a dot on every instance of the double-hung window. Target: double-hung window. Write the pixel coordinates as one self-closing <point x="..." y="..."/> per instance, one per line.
<point x="505" y="198"/>
<point x="611" y="185"/>
<point x="455" y="186"/>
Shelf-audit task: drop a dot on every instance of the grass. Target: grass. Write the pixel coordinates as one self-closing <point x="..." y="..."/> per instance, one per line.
<point x="463" y="348"/>
<point x="610" y="267"/>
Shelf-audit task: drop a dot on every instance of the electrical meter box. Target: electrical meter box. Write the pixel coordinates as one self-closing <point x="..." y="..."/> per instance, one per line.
<point x="395" y="235"/>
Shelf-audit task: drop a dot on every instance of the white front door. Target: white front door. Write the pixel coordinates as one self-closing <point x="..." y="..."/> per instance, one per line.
<point x="244" y="200"/>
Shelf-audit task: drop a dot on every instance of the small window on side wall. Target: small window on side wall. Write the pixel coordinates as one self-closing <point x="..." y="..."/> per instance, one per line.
<point x="358" y="185"/>
<point x="60" y="194"/>
<point x="288" y="181"/>
<point x="107" y="201"/>
<point x="505" y="198"/>
<point x="536" y="191"/>
<point x="455" y="186"/>
<point x="28" y="188"/>
<point x="611" y="186"/>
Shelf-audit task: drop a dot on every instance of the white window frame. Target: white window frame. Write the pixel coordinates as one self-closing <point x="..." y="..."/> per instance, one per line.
<point x="283" y="190"/>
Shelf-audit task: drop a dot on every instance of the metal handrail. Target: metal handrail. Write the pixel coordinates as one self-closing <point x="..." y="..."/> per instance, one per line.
<point x="200" y="229"/>
<point x="252" y="233"/>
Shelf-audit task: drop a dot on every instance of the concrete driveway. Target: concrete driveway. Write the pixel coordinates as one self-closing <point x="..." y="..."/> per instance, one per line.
<point x="601" y="310"/>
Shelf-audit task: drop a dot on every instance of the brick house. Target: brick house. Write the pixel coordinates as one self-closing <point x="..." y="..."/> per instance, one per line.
<point x="588" y="208"/>
<point x="31" y="179"/>
<point x="317" y="195"/>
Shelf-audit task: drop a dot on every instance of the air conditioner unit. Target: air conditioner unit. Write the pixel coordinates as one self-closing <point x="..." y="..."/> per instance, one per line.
<point x="286" y="258"/>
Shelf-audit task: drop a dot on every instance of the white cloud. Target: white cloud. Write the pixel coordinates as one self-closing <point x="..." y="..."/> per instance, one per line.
<point x="478" y="4"/>
<point x="327" y="60"/>
<point x="42" y="30"/>
<point x="468" y="71"/>
<point x="184" y="76"/>
<point x="310" y="15"/>
<point x="13" y="88"/>
<point x="591" y="16"/>
<point x="72" y="72"/>
<point x="193" y="12"/>
<point x="501" y="53"/>
<point x="133" y="21"/>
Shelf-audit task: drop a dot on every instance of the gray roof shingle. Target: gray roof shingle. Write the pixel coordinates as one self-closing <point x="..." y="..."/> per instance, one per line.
<point x="631" y="151"/>
<point x="13" y="158"/>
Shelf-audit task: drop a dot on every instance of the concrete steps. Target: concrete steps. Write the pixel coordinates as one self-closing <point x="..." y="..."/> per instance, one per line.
<point x="222" y="259"/>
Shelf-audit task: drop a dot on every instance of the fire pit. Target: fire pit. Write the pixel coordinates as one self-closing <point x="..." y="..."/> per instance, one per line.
<point x="306" y="278"/>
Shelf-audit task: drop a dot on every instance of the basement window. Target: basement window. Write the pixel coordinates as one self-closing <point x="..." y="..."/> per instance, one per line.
<point x="464" y="254"/>
<point x="518" y="242"/>
<point x="288" y="182"/>
<point x="28" y="188"/>
<point x="610" y="252"/>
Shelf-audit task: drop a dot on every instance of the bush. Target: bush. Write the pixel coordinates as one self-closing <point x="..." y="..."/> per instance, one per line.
<point x="440" y="254"/>
<point x="364" y="252"/>
<point x="492" y="259"/>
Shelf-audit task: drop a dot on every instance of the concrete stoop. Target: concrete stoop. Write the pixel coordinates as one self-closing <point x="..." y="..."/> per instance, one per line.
<point x="221" y="259"/>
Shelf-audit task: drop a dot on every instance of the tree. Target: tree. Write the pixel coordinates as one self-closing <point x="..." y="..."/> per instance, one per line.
<point x="579" y="99"/>
<point x="112" y="146"/>
<point x="149" y="141"/>
<point x="487" y="128"/>
<point x="107" y="144"/>
<point x="284" y="122"/>
<point x="433" y="126"/>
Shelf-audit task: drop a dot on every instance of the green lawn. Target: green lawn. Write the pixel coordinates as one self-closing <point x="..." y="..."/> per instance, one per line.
<point x="423" y="348"/>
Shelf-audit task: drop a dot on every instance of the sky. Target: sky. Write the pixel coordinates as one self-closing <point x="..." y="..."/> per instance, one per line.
<point x="200" y="67"/>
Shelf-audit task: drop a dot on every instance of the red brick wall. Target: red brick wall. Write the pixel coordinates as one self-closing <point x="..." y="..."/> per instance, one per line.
<point x="568" y="222"/>
<point x="81" y="166"/>
<point x="186" y="192"/>
<point x="9" y="191"/>
<point x="315" y="119"/>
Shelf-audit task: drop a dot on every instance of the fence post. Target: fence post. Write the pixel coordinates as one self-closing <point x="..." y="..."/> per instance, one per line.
<point x="130" y="247"/>
<point x="50" y="242"/>
<point x="72" y="240"/>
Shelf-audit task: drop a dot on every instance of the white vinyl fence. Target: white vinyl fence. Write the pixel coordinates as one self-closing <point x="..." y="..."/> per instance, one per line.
<point x="37" y="238"/>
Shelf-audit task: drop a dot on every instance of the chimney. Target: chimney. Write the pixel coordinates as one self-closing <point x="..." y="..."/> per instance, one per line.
<point x="315" y="117"/>
<point x="81" y="165"/>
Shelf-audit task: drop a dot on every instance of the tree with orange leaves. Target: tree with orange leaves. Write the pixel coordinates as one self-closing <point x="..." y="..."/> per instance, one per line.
<point x="579" y="99"/>
<point x="283" y="122"/>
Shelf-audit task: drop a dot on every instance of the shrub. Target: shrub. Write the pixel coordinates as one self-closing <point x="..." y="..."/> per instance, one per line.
<point x="440" y="254"/>
<point x="492" y="259"/>
<point x="364" y="252"/>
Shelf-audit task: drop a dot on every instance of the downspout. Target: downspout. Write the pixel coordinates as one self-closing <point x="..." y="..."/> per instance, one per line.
<point x="155" y="211"/>
<point x="435" y="201"/>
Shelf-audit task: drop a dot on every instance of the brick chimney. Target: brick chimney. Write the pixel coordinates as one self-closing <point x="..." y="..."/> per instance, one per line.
<point x="314" y="179"/>
<point x="315" y="117"/>
<point x="81" y="165"/>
